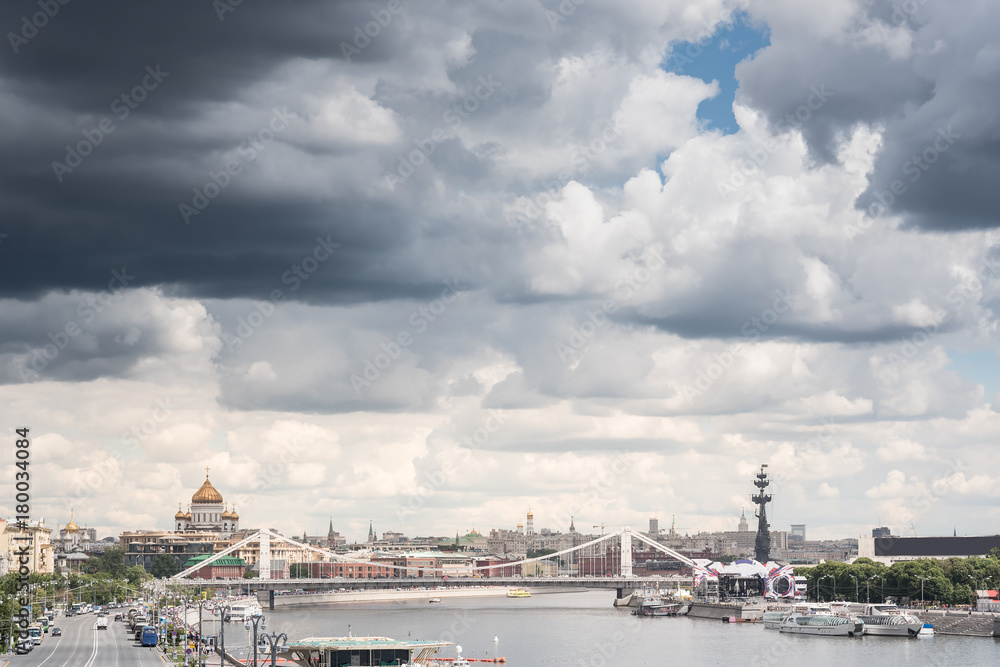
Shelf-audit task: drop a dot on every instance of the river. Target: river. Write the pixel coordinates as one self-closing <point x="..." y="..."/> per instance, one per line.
<point x="583" y="629"/>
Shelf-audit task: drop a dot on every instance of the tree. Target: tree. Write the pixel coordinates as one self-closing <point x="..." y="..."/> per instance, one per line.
<point x="298" y="571"/>
<point x="164" y="566"/>
<point x="136" y="575"/>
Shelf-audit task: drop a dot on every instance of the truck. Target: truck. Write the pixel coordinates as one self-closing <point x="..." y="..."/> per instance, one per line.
<point x="102" y="622"/>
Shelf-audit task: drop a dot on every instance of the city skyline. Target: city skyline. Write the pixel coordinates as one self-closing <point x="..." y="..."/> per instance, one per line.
<point x="432" y="264"/>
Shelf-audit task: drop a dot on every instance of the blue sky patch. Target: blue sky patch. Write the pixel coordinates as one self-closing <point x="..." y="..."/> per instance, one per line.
<point x="714" y="59"/>
<point x="980" y="366"/>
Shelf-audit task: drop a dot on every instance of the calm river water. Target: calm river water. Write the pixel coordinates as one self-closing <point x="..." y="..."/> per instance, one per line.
<point x="582" y="628"/>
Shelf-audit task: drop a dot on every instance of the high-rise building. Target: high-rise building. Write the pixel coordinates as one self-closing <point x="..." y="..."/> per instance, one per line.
<point x="654" y="527"/>
<point x="798" y="533"/>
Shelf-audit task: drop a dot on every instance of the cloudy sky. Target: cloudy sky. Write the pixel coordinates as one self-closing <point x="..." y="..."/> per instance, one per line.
<point x="431" y="263"/>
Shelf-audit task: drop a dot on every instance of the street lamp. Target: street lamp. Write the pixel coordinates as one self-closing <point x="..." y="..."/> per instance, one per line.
<point x="855" y="586"/>
<point x="256" y="618"/>
<point x="922" y="580"/>
<point x="868" y="589"/>
<point x="834" y="584"/>
<point x="222" y="632"/>
<point x="274" y="642"/>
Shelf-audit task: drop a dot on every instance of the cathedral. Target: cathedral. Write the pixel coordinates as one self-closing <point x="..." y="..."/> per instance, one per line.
<point x="206" y="512"/>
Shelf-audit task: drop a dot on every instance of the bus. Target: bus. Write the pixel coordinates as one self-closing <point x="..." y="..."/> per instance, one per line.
<point x="35" y="633"/>
<point x="44" y="622"/>
<point x="77" y="608"/>
<point x="148" y="636"/>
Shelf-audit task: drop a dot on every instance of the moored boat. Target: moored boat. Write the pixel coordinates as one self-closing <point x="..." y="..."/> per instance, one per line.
<point x="888" y="620"/>
<point x="821" y="624"/>
<point x="518" y="593"/>
<point x="362" y="651"/>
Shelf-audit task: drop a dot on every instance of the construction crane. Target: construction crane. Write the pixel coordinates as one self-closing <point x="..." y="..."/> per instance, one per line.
<point x="913" y="529"/>
<point x="602" y="526"/>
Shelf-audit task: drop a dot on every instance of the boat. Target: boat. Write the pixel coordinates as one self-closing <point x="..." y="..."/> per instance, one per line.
<point x="518" y="593"/>
<point x="927" y="631"/>
<point x="238" y="613"/>
<point x="363" y="651"/>
<point x="821" y="624"/>
<point x="657" y="608"/>
<point x="772" y="619"/>
<point x="888" y="620"/>
<point x="434" y="600"/>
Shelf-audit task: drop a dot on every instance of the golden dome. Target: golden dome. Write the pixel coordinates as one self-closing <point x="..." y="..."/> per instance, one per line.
<point x="187" y="515"/>
<point x="207" y="493"/>
<point x="71" y="527"/>
<point x="180" y="512"/>
<point x="519" y="524"/>
<point x="226" y="514"/>
<point x="233" y="515"/>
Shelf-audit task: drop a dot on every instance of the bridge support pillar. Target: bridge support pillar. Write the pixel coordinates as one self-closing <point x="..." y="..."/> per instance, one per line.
<point x="270" y="600"/>
<point x="626" y="552"/>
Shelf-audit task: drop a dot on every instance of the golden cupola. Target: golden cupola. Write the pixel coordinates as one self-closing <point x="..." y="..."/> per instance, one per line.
<point x="207" y="494"/>
<point x="187" y="515"/>
<point x="233" y="515"/>
<point x="226" y="514"/>
<point x="71" y="527"/>
<point x="180" y="513"/>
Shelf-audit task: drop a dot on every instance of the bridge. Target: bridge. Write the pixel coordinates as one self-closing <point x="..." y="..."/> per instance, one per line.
<point x="618" y="543"/>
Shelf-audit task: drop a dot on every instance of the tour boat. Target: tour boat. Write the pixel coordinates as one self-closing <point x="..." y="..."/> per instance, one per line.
<point x="888" y="620"/>
<point x="362" y="651"/>
<point x="656" y="608"/>
<point x="821" y="624"/>
<point x="434" y="600"/>
<point x="238" y="613"/>
<point x="518" y="593"/>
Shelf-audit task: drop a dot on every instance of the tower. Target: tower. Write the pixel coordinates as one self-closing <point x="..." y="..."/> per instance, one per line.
<point x="529" y="527"/>
<point x="371" y="533"/>
<point x="762" y="545"/>
<point x="743" y="527"/>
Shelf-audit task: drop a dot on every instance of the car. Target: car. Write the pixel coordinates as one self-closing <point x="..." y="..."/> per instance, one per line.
<point x="24" y="646"/>
<point x="56" y="632"/>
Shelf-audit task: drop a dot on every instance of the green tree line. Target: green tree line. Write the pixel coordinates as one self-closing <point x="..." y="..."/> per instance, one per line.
<point x="952" y="581"/>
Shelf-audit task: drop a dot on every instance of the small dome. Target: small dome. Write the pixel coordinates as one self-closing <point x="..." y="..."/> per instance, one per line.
<point x="180" y="513"/>
<point x="520" y="525"/>
<point x="71" y="527"/>
<point x="226" y="514"/>
<point x="233" y="515"/>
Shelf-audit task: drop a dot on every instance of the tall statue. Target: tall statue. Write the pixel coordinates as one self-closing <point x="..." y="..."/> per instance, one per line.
<point x="762" y="545"/>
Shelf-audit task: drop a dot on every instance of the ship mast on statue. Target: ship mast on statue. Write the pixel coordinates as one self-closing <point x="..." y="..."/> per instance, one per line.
<point x="762" y="545"/>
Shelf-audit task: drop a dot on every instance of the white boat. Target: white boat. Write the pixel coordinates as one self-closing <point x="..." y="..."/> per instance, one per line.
<point x="821" y="624"/>
<point x="927" y="631"/>
<point x="888" y="620"/>
<point x="772" y="618"/>
<point x="238" y="613"/>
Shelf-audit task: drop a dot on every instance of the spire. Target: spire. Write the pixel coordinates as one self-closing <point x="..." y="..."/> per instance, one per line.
<point x="572" y="528"/>
<point x="329" y="533"/>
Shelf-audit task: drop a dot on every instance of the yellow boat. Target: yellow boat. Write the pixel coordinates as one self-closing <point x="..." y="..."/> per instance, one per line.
<point x="518" y="593"/>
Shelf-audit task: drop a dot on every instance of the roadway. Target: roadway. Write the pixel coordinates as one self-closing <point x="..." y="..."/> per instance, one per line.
<point x="83" y="645"/>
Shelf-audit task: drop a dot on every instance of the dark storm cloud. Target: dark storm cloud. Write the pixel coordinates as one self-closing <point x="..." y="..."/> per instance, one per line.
<point x="936" y="99"/>
<point x="142" y="90"/>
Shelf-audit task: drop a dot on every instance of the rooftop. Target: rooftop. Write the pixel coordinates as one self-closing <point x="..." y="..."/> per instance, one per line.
<point x="354" y="643"/>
